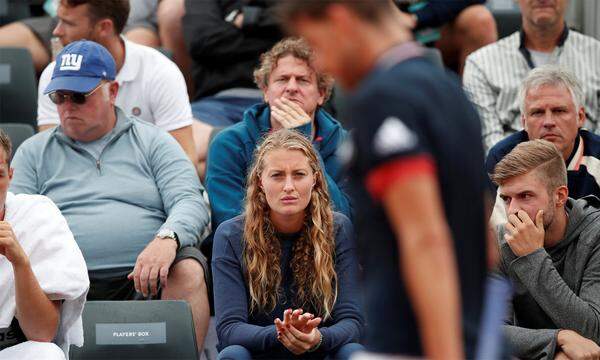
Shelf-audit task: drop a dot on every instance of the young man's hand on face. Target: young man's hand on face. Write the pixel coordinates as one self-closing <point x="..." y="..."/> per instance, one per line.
<point x="522" y="235"/>
<point x="289" y="114"/>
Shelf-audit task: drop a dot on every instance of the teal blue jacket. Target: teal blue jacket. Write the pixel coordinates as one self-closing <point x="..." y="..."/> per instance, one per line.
<point x="115" y="205"/>
<point x="230" y="156"/>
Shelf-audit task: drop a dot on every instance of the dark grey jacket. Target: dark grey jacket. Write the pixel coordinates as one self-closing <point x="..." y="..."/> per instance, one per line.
<point x="556" y="288"/>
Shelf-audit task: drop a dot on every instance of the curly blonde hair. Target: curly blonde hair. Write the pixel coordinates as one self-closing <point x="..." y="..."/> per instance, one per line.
<point x="298" y="48"/>
<point x="312" y="263"/>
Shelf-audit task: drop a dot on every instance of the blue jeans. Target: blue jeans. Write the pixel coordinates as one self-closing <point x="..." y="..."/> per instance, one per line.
<point x="238" y="352"/>
<point x="222" y="111"/>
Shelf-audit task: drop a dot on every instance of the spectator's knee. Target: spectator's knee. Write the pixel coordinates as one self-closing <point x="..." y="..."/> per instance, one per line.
<point x="33" y="350"/>
<point x="234" y="352"/>
<point x="346" y="351"/>
<point x="187" y="276"/>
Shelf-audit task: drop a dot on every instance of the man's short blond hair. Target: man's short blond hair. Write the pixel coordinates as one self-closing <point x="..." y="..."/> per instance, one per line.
<point x="539" y="155"/>
<point x="298" y="48"/>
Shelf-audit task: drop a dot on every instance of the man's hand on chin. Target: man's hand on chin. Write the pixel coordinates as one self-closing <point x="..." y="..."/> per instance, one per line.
<point x="522" y="235"/>
<point x="152" y="264"/>
<point x="289" y="114"/>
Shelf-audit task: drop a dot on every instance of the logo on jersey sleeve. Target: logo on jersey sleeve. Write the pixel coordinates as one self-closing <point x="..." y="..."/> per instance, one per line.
<point x="71" y="62"/>
<point x="393" y="136"/>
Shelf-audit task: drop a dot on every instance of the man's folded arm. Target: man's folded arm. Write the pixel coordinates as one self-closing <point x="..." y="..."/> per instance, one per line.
<point x="530" y="343"/>
<point x="580" y="313"/>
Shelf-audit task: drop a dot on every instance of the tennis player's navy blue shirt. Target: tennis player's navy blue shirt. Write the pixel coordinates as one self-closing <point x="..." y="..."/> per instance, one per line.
<point x="410" y="118"/>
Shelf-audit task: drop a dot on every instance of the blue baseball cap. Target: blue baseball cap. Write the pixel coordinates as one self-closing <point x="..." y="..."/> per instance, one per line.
<point x="80" y="67"/>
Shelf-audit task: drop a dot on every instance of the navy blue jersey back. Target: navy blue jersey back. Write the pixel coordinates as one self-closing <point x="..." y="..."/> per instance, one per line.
<point x="413" y="110"/>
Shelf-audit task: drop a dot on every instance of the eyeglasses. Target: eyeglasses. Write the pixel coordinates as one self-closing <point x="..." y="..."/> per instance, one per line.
<point x="59" y="97"/>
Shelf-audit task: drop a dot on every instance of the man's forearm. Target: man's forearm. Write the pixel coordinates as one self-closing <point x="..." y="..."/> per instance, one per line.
<point x="185" y="138"/>
<point x="430" y="273"/>
<point x="414" y="208"/>
<point x="531" y="343"/>
<point x="38" y="316"/>
<point x="566" y="309"/>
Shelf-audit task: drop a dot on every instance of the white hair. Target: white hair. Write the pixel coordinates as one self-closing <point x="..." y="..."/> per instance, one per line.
<point x="551" y="75"/>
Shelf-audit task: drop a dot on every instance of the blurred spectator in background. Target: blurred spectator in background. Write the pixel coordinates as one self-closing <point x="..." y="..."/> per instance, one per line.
<point x="493" y="74"/>
<point x="169" y="15"/>
<point x="151" y="86"/>
<point x="142" y="24"/>
<point x="464" y="26"/>
<point x="286" y="272"/>
<point x="550" y="249"/>
<point x="293" y="94"/>
<point x="225" y="39"/>
<point x="129" y="193"/>
<point x="415" y="159"/>
<point x="35" y="33"/>
<point x="42" y="271"/>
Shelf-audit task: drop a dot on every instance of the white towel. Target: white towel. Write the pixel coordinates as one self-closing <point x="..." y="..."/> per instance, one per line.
<point x="55" y="259"/>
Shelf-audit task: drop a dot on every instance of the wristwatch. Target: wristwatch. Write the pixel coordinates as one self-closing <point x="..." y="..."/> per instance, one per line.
<point x="168" y="234"/>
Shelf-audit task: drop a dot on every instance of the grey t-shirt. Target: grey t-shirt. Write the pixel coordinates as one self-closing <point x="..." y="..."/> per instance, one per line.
<point x="540" y="58"/>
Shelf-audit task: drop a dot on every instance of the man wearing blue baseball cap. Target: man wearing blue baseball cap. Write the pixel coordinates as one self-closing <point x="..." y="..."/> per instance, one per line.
<point x="73" y="74"/>
<point x="151" y="86"/>
<point x="83" y="68"/>
<point x="129" y="194"/>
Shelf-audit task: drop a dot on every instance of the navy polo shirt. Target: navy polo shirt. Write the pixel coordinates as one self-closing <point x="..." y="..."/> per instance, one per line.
<point x="410" y="117"/>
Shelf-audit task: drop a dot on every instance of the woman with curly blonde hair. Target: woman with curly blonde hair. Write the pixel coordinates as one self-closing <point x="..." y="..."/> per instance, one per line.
<point x="285" y="271"/>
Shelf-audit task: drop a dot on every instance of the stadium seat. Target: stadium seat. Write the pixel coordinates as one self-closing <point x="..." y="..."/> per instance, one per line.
<point x="13" y="10"/>
<point x="18" y="88"/>
<point x="137" y="330"/>
<point x="17" y="133"/>
<point x="3" y="8"/>
<point x="507" y="21"/>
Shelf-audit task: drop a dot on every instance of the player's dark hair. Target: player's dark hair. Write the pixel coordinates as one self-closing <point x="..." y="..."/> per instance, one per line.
<point x="115" y="10"/>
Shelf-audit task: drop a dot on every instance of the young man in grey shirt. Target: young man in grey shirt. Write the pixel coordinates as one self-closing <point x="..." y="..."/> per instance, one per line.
<point x="550" y="249"/>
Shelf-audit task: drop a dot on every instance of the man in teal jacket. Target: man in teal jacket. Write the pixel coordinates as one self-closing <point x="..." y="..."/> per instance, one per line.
<point x="129" y="193"/>
<point x="293" y="92"/>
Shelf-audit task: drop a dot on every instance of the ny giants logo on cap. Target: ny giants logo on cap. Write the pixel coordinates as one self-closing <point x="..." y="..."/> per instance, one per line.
<point x="71" y="62"/>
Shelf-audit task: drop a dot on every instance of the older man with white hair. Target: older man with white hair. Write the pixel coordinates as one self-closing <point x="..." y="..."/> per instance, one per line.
<point x="494" y="73"/>
<point x="552" y="108"/>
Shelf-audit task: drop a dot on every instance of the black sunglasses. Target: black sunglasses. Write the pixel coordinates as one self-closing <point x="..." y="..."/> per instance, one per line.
<point x="59" y="97"/>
